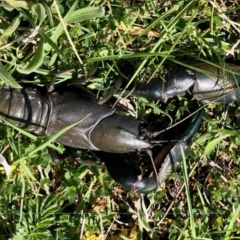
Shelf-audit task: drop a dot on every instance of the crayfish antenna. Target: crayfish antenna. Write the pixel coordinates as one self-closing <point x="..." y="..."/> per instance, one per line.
<point x="173" y="153"/>
<point x="149" y="153"/>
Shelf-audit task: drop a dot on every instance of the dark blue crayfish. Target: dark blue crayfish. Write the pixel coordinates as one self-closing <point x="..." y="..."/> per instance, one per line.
<point x="105" y="130"/>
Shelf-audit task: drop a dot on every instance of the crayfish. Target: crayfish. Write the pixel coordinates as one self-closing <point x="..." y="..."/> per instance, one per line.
<point x="105" y="130"/>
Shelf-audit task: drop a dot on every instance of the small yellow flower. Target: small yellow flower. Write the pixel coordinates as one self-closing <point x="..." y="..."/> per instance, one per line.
<point x="90" y="236"/>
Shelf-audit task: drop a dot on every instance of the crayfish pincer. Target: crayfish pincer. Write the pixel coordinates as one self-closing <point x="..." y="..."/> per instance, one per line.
<point x="105" y="130"/>
<point x="130" y="177"/>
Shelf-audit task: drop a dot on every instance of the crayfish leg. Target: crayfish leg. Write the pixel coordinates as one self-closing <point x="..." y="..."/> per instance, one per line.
<point x="173" y="153"/>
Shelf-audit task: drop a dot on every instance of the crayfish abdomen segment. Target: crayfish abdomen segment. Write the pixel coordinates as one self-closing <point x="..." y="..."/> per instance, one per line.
<point x="25" y="108"/>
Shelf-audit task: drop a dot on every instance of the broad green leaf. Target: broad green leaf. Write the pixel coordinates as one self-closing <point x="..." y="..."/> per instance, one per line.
<point x="211" y="145"/>
<point x="85" y="14"/>
<point x="7" y="6"/>
<point x="49" y="206"/>
<point x="38" y="12"/>
<point x="19" y="4"/>
<point x="6" y="77"/>
<point x="49" y="13"/>
<point x="210" y="120"/>
<point x="46" y="222"/>
<point x="205" y="137"/>
<point x="49" y="210"/>
<point x="225" y="131"/>
<point x="36" y="61"/>
<point x="12" y="27"/>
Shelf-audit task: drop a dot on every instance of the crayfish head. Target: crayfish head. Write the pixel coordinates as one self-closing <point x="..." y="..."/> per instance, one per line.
<point x="117" y="134"/>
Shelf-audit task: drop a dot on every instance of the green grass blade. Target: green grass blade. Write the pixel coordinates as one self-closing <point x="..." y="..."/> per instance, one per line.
<point x="54" y="136"/>
<point x="36" y="61"/>
<point x="6" y="77"/>
<point x="230" y="227"/>
<point x="186" y="181"/>
<point x="29" y="135"/>
<point x="38" y="12"/>
<point x="211" y="145"/>
<point x="58" y="31"/>
<point x="86" y="14"/>
<point x="49" y="42"/>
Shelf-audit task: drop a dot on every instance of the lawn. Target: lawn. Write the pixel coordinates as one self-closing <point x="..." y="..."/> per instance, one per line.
<point x="92" y="45"/>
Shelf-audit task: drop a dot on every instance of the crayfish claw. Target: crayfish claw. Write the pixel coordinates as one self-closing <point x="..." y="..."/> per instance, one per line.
<point x="174" y="152"/>
<point x="123" y="171"/>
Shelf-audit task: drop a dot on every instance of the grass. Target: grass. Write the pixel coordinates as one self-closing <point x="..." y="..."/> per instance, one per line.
<point x="135" y="41"/>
